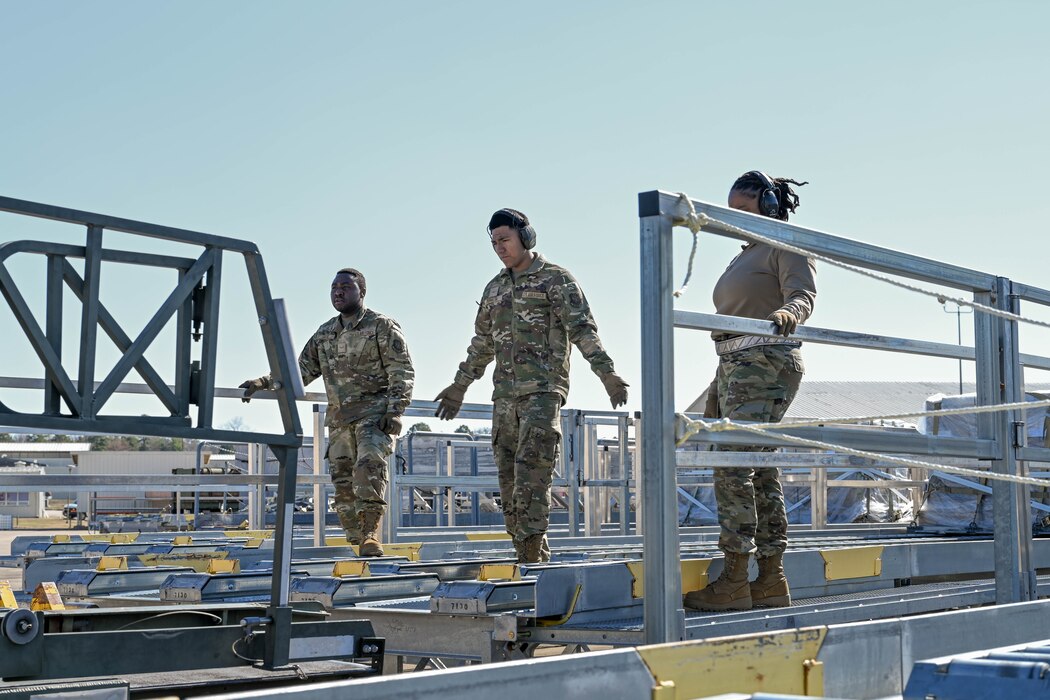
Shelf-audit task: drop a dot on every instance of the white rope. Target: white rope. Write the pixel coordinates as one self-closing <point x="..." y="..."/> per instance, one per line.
<point x="694" y="426"/>
<point x="693" y="226"/>
<point x="696" y="221"/>
<point x="930" y="466"/>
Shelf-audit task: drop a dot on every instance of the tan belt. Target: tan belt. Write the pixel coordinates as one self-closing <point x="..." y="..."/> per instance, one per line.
<point x="741" y="342"/>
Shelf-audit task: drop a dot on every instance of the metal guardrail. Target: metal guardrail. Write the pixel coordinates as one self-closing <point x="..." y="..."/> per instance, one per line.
<point x="999" y="380"/>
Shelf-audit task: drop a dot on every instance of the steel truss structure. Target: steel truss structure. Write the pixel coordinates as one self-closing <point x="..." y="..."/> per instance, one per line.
<point x="78" y="406"/>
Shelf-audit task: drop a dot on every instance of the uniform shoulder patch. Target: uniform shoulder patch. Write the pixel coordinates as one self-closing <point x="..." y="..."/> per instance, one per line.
<point x="397" y="345"/>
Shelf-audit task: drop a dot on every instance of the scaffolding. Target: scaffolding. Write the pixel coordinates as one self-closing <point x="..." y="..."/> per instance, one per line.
<point x="999" y="366"/>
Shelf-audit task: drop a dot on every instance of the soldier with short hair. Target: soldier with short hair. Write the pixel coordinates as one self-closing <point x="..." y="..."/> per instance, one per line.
<point x="367" y="371"/>
<point x="529" y="315"/>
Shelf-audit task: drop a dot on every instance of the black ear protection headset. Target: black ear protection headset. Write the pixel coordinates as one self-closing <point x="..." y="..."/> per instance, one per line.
<point x="768" y="199"/>
<point x="526" y="232"/>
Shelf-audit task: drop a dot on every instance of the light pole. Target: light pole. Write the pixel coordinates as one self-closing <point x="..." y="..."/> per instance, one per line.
<point x="958" y="310"/>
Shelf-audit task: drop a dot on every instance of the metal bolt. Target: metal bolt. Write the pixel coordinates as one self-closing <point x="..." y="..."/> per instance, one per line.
<point x="262" y="321"/>
<point x="369" y="648"/>
<point x="24" y="626"/>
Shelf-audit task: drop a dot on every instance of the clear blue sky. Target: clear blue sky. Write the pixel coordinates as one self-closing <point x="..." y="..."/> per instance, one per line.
<point x="382" y="135"/>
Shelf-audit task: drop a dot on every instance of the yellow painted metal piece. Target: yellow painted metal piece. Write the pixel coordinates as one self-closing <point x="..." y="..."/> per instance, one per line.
<point x="665" y="690"/>
<point x="7" y="596"/>
<point x="403" y="549"/>
<point x="694" y="575"/>
<point x="114" y="538"/>
<point x="484" y="536"/>
<point x="350" y="568"/>
<point x="253" y="543"/>
<point x="852" y="562"/>
<point x="505" y="572"/>
<point x="409" y="550"/>
<point x="46" y="597"/>
<point x="814" y="674"/>
<point x="60" y="539"/>
<point x="224" y="566"/>
<point x="546" y="622"/>
<point x="111" y="563"/>
<point x="254" y="534"/>
<point x="198" y="561"/>
<point x="781" y="662"/>
<point x="182" y="539"/>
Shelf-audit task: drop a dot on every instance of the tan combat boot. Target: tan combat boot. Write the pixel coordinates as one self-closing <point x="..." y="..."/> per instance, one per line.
<point x="730" y="591"/>
<point x="351" y="526"/>
<point x="771" y="586"/>
<point x="533" y="549"/>
<point x="370" y="544"/>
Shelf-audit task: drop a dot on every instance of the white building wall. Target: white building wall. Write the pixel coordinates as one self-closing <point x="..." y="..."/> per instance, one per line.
<point x="135" y="499"/>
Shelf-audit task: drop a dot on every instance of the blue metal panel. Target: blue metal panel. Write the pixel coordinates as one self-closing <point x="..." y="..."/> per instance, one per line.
<point x="1001" y="674"/>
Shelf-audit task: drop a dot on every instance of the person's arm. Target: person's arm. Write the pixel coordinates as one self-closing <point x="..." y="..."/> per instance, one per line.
<point x="393" y="350"/>
<point x="309" y="369"/>
<point x="481" y="350"/>
<point x="798" y="283"/>
<point x="575" y="315"/>
<point x="480" y="353"/>
<point x="310" y="361"/>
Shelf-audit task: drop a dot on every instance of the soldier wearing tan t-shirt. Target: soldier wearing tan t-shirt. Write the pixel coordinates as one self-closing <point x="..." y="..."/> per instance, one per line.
<point x="757" y="379"/>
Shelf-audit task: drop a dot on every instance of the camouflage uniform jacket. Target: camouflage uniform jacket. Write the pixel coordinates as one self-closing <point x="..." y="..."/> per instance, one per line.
<point x="526" y="322"/>
<point x="366" y="366"/>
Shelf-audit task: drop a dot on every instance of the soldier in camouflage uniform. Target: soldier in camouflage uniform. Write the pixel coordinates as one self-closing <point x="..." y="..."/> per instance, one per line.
<point x="367" y="371"/>
<point x="528" y="316"/>
<point x="756" y="381"/>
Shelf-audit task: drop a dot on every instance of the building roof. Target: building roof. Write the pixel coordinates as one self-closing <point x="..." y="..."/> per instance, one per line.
<point x="832" y="399"/>
<point x="20" y="448"/>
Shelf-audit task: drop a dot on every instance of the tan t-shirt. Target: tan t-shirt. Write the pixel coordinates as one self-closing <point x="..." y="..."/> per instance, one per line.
<point x="763" y="279"/>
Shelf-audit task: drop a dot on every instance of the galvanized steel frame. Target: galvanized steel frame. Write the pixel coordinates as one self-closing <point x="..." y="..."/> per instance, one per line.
<point x="999" y="373"/>
<point x="194" y="303"/>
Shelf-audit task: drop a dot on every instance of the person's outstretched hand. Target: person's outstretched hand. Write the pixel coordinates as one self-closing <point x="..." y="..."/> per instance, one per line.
<point x="450" y="400"/>
<point x="616" y="388"/>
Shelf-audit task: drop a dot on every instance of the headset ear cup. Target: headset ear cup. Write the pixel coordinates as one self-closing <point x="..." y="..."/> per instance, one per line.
<point x="528" y="237"/>
<point x="769" y="204"/>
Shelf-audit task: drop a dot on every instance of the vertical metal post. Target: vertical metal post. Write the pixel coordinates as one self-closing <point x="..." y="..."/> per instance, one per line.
<point x="625" y="474"/>
<point x="439" y="493"/>
<point x="89" y="321"/>
<point x="639" y="469"/>
<point x="210" y="346"/>
<point x="568" y="469"/>
<point x="53" y="322"/>
<point x="1010" y="504"/>
<point x="818" y="500"/>
<point x="574" y="471"/>
<point x="183" y="352"/>
<point x="663" y="615"/>
<point x="394" y="494"/>
<point x="450" y="471"/>
<point x="392" y="521"/>
<point x="320" y="492"/>
<point x="253" y="491"/>
<point x="591" y="495"/>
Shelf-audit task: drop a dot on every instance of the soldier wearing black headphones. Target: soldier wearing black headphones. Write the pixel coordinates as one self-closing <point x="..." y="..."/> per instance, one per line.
<point x="757" y="379"/>
<point x="530" y="314"/>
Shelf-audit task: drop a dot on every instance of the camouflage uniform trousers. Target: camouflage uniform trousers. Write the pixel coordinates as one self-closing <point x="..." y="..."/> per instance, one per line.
<point x="357" y="455"/>
<point x="526" y="436"/>
<point x="754" y="384"/>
